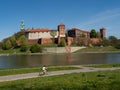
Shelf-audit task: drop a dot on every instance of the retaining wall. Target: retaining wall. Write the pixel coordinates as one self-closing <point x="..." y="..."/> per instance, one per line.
<point x="61" y="49"/>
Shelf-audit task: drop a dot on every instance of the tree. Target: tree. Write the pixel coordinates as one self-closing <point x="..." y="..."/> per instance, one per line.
<point x="118" y="44"/>
<point x="93" y="33"/>
<point x="53" y="33"/>
<point x="13" y="41"/>
<point x="62" y="43"/>
<point x="105" y="42"/>
<point x="7" y="45"/>
<point x="113" y="40"/>
<point x="35" y="48"/>
<point x="23" y="48"/>
<point x="22" y="40"/>
<point x="19" y="34"/>
<point x="0" y="45"/>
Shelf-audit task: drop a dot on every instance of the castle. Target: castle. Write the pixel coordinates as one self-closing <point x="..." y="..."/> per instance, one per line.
<point x="43" y="35"/>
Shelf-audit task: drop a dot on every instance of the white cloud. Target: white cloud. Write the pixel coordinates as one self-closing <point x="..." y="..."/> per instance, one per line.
<point x="101" y="17"/>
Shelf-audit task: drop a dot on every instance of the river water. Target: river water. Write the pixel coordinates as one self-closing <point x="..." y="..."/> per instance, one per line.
<point x="17" y="61"/>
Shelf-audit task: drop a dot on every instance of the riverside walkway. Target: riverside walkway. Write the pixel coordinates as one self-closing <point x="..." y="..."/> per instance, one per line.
<point x="52" y="73"/>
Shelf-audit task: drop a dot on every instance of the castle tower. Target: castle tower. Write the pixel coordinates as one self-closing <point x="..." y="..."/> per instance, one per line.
<point x="61" y="31"/>
<point x="22" y="26"/>
<point x="102" y="32"/>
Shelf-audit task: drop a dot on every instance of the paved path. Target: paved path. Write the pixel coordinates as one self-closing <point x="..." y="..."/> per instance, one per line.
<point x="33" y="75"/>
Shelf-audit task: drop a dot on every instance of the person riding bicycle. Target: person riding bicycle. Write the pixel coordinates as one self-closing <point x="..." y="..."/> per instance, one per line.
<point x="44" y="70"/>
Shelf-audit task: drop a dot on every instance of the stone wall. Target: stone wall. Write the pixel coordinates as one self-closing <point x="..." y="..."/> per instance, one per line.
<point x="61" y="49"/>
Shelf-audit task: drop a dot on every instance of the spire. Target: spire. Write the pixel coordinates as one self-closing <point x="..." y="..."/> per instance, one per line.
<point x="22" y="26"/>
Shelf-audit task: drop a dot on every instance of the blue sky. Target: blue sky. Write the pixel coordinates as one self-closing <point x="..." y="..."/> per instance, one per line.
<point x="82" y="14"/>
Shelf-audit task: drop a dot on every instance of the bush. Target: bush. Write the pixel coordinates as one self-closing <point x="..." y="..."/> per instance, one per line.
<point x="62" y="43"/>
<point x="6" y="45"/>
<point x="36" y="48"/>
<point x="23" y="48"/>
<point x="117" y="46"/>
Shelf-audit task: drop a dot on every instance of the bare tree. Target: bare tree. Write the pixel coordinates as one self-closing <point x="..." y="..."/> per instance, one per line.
<point x="53" y="33"/>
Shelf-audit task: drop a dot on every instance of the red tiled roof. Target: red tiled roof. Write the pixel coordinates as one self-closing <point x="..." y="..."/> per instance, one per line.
<point x="74" y="29"/>
<point x="84" y="31"/>
<point x="61" y="24"/>
<point x="102" y="28"/>
<point x="38" y="30"/>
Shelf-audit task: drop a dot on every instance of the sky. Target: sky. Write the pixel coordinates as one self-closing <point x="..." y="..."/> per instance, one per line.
<point x="82" y="14"/>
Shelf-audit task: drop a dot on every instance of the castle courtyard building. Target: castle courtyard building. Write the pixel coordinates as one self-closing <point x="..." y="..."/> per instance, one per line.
<point x="43" y="35"/>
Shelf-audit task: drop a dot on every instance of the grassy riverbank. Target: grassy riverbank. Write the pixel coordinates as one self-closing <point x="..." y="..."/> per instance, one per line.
<point x="4" y="72"/>
<point x="98" y="50"/>
<point x="84" y="50"/>
<point x="101" y="80"/>
<point x="103" y="65"/>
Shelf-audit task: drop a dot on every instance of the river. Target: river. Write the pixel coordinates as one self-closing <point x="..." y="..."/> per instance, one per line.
<point x="17" y="61"/>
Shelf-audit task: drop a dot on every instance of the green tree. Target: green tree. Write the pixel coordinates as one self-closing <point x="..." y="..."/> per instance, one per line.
<point x="62" y="43"/>
<point x="7" y="45"/>
<point x="22" y="40"/>
<point x="13" y="41"/>
<point x="93" y="33"/>
<point x="118" y="44"/>
<point x="113" y="40"/>
<point x="19" y="34"/>
<point x="35" y="48"/>
<point x="105" y="42"/>
<point x="0" y="45"/>
<point x="23" y="48"/>
<point x="53" y="33"/>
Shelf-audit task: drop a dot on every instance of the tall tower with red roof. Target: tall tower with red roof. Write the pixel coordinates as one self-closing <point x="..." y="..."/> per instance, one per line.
<point x="102" y="32"/>
<point x="61" y="32"/>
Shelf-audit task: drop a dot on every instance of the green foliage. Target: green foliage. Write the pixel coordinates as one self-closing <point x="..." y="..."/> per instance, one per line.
<point x="19" y="34"/>
<point x="113" y="40"/>
<point x="62" y="43"/>
<point x="105" y="42"/>
<point x="22" y="40"/>
<point x="117" y="46"/>
<point x="0" y="45"/>
<point x="7" y="45"/>
<point x="23" y="48"/>
<point x="13" y="41"/>
<point x="35" y="48"/>
<point x="10" y="42"/>
<point x="93" y="33"/>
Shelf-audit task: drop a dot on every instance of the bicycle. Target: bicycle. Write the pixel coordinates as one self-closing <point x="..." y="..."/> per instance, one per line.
<point x="44" y="72"/>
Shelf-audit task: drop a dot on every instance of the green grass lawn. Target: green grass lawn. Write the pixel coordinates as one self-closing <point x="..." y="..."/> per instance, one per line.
<point x="103" y="65"/>
<point x="99" y="49"/>
<point x="4" y="72"/>
<point x="100" y="80"/>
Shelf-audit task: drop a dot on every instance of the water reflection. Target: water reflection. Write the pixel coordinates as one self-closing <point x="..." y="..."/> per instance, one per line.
<point x="58" y="59"/>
